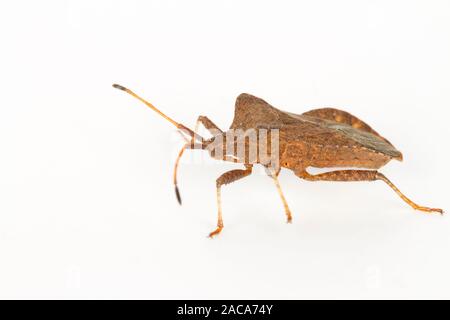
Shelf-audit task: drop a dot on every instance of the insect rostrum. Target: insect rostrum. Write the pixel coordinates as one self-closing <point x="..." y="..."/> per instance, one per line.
<point x="320" y="138"/>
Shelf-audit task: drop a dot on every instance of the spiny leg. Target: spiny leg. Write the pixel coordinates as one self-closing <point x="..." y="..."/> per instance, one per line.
<point x="274" y="176"/>
<point x="226" y="178"/>
<point x="212" y="128"/>
<point x="364" y="175"/>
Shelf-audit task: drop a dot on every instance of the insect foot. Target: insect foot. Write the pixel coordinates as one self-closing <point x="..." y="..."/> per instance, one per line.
<point x="430" y="210"/>
<point x="215" y="232"/>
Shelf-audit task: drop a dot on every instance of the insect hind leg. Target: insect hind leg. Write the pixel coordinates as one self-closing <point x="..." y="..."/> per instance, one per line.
<point x="364" y="175"/>
<point x="382" y="177"/>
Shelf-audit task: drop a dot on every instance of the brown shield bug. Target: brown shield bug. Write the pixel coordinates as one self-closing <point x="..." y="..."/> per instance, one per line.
<point x="320" y="138"/>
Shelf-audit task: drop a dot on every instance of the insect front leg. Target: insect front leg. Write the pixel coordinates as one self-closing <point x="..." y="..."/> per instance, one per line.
<point x="274" y="175"/>
<point x="208" y="124"/>
<point x="364" y="175"/>
<point x="212" y="128"/>
<point x="226" y="178"/>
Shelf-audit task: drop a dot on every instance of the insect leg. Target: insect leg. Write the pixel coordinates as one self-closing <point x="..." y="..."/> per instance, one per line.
<point x="274" y="176"/>
<point x="226" y="178"/>
<point x="382" y="177"/>
<point x="364" y="175"/>
<point x="212" y="128"/>
<point x="209" y="125"/>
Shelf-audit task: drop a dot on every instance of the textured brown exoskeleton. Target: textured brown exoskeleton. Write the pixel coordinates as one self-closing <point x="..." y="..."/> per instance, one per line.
<point x="321" y="138"/>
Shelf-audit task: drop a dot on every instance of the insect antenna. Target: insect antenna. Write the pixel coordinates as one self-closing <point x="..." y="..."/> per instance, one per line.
<point x="179" y="126"/>
<point x="182" y="129"/>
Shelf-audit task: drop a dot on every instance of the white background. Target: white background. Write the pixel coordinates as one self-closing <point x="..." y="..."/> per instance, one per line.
<point x="87" y="208"/>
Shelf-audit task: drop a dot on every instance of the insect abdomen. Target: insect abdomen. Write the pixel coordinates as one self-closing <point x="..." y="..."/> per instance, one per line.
<point x="345" y="156"/>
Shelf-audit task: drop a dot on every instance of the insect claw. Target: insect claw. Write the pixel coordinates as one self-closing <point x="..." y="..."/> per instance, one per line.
<point x="215" y="232"/>
<point x="177" y="193"/>
<point x="430" y="210"/>
<point x="440" y="211"/>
